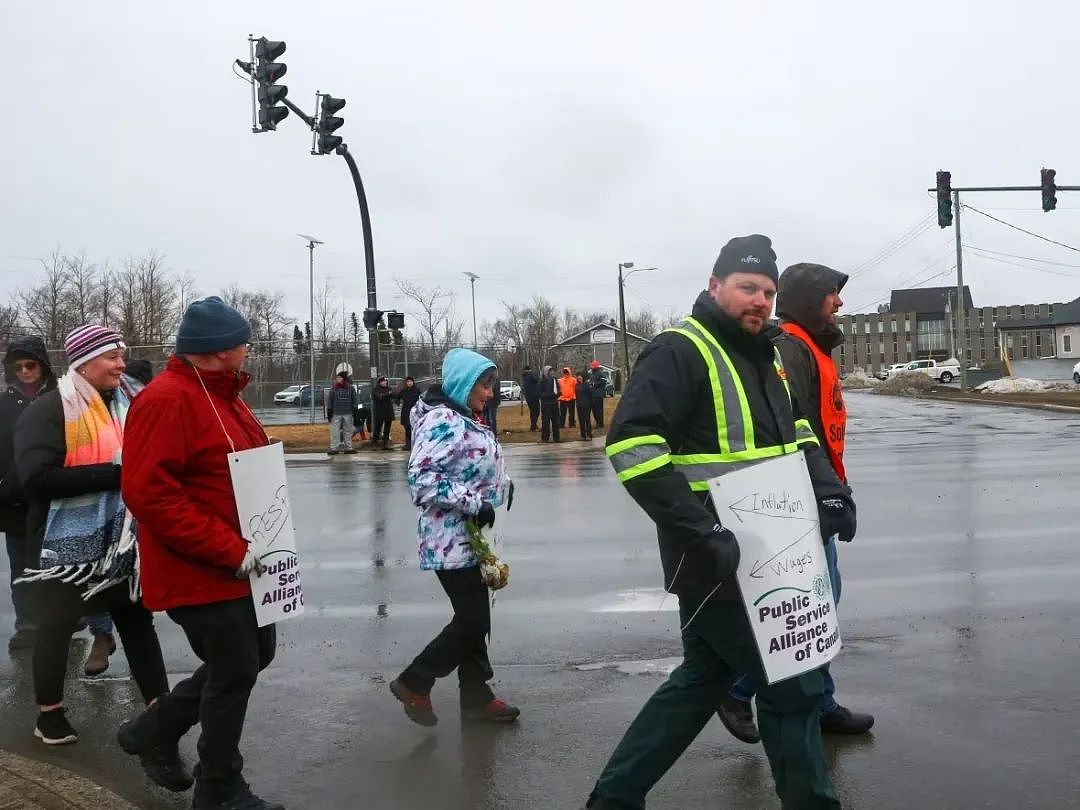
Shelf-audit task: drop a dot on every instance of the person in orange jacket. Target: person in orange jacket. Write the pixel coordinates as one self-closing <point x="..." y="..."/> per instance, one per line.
<point x="567" y="397"/>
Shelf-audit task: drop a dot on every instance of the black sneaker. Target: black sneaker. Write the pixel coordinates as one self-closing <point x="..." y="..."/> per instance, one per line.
<point x="738" y="718"/>
<point x="23" y="639"/>
<point x="844" y="721"/>
<point x="162" y="763"/>
<point x="52" y="728"/>
<point x="331" y="452"/>
<point x="239" y="798"/>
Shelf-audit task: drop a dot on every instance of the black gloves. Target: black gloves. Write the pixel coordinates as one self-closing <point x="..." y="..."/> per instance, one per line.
<point x="510" y="497"/>
<point x="718" y="554"/>
<point x="837" y="516"/>
<point x="486" y="515"/>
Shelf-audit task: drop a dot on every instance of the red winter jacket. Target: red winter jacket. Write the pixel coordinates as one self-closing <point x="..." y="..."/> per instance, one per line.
<point x="176" y="483"/>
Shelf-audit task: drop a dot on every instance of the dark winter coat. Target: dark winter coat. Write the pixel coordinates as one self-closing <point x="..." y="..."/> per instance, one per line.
<point x="341" y="401"/>
<point x="801" y="294"/>
<point x="409" y="398"/>
<point x="40" y="449"/>
<point x="547" y="389"/>
<point x="670" y="395"/>
<point x="583" y="394"/>
<point x="530" y="386"/>
<point x="598" y="383"/>
<point x="383" y="402"/>
<point x="13" y="401"/>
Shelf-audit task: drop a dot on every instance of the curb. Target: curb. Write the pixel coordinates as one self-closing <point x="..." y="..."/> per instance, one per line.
<point x="1031" y="406"/>
<point x="31" y="785"/>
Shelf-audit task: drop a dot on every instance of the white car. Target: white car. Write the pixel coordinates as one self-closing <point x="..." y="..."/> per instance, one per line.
<point x="509" y="390"/>
<point x="885" y="373"/>
<point x="288" y="396"/>
<point x="1076" y="374"/>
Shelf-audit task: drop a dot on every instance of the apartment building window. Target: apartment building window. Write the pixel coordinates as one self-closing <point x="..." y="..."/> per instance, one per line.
<point x="1066" y="344"/>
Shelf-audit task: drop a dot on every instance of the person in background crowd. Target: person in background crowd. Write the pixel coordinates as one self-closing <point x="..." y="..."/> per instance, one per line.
<point x="409" y="395"/>
<point x="383" y="402"/>
<point x="362" y="419"/>
<point x="598" y="385"/>
<point x="583" y="397"/>
<point x="530" y="392"/>
<point x="548" y="394"/>
<point x="341" y="404"/>
<point x="196" y="565"/>
<point x="457" y="475"/>
<point x="27" y="375"/>
<point x="491" y="409"/>
<point x="139" y="369"/>
<point x="80" y="549"/>
<point x="567" y="393"/>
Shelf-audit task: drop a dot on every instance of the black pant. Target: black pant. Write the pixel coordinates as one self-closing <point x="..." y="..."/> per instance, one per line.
<point x="462" y="644"/>
<point x="407" y="424"/>
<point x="16" y="551"/>
<point x="549" y="420"/>
<point x="566" y="407"/>
<point x="382" y="426"/>
<point x="233" y="649"/>
<point x="598" y="411"/>
<point x="534" y="412"/>
<point x="584" y="423"/>
<point x="58" y="606"/>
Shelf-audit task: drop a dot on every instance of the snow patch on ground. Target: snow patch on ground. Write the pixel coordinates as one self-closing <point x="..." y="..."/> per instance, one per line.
<point x="859" y="379"/>
<point x="1022" y="385"/>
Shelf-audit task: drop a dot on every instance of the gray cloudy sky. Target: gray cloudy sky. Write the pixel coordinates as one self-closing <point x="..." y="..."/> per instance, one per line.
<point x="539" y="145"/>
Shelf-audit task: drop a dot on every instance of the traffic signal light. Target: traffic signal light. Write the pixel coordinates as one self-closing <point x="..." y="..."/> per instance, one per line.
<point x="267" y="72"/>
<point x="1049" y="190"/>
<point x="372" y="318"/>
<point x="325" y="141"/>
<point x="944" y="199"/>
<point x="395" y="320"/>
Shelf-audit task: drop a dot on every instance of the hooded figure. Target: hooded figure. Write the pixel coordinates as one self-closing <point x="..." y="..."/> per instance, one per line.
<point x="548" y="392"/>
<point x="383" y="406"/>
<point x="457" y="478"/>
<point x="567" y="396"/>
<point x="27" y="374"/>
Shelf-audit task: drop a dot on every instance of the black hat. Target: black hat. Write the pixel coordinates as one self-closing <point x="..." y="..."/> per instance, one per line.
<point x="747" y="254"/>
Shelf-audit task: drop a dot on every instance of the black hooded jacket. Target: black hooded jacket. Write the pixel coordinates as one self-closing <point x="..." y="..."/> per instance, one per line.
<point x="670" y="395"/>
<point x="799" y="299"/>
<point x="13" y="402"/>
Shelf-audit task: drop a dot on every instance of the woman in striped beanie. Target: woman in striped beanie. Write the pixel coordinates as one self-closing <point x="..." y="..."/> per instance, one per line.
<point x="80" y="549"/>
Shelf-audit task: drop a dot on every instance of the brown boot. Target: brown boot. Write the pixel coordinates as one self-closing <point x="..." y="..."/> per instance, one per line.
<point x="98" y="661"/>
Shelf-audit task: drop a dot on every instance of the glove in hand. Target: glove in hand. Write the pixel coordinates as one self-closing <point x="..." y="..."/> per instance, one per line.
<point x="249" y="564"/>
<point x="720" y="554"/>
<point x="837" y="516"/>
<point x="486" y="515"/>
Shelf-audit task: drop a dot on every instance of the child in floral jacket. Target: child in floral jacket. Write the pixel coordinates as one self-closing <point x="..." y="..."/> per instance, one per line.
<point x="456" y="475"/>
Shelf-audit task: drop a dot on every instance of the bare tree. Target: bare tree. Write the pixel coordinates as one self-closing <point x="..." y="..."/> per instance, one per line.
<point x="9" y="324"/>
<point x="46" y="305"/>
<point x="642" y="323"/>
<point x="83" y="289"/>
<point x="433" y="310"/>
<point x="327" y="312"/>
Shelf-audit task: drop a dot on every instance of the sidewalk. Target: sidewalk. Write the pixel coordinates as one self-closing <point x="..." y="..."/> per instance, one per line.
<point x="29" y="785"/>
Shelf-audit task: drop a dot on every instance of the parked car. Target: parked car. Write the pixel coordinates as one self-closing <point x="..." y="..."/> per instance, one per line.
<point x="509" y="390"/>
<point x="944" y="371"/>
<point x="288" y="396"/>
<point x="305" y="395"/>
<point x="883" y="373"/>
<point x="1076" y="374"/>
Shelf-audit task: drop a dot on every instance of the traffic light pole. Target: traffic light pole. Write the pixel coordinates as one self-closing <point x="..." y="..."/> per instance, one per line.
<point x="961" y="307"/>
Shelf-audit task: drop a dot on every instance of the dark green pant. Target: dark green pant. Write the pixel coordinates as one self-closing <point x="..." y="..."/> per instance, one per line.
<point x="717" y="645"/>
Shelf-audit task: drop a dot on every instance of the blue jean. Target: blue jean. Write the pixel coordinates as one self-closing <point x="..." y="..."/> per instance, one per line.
<point x="16" y="558"/>
<point x="744" y="688"/>
<point x="100" y="623"/>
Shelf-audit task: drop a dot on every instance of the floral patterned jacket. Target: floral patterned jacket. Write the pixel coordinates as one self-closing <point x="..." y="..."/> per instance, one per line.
<point x="455" y="466"/>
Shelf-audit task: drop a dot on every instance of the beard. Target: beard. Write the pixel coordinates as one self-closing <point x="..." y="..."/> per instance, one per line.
<point x="753" y="320"/>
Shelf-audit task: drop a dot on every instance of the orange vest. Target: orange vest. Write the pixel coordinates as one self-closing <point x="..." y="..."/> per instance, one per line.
<point x="567" y="388"/>
<point x="833" y="413"/>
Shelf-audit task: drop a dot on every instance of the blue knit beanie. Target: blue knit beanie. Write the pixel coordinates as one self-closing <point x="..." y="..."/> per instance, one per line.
<point x="461" y="369"/>
<point x="210" y="325"/>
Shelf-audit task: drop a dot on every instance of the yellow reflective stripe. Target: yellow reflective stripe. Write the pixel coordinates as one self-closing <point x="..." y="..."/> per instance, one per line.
<point x="634" y="441"/>
<point x="714" y="379"/>
<point x="804" y="434"/>
<point x="779" y="363"/>
<point x="644" y="467"/>
<point x="757" y="454"/>
<point x="739" y="391"/>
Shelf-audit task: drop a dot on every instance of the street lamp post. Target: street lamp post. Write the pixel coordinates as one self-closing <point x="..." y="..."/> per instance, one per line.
<point x="622" y="314"/>
<point x="312" y="242"/>
<point x="472" y="277"/>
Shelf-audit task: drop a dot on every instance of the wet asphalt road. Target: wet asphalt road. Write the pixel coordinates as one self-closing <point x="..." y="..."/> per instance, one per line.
<point x="959" y="618"/>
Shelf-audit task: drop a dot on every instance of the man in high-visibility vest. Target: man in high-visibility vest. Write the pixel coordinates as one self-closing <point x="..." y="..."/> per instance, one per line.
<point x="807" y="301"/>
<point x="705" y="398"/>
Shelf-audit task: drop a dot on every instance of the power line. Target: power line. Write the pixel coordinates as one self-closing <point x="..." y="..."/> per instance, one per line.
<point x="1025" y="258"/>
<point x="898" y="244"/>
<point x="1018" y="228"/>
<point x="1024" y="266"/>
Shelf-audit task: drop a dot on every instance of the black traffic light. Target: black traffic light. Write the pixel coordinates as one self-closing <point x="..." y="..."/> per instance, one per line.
<point x="325" y="141"/>
<point x="395" y="320"/>
<point x="267" y="73"/>
<point x="1049" y="190"/>
<point x="944" y="199"/>
<point x="372" y="318"/>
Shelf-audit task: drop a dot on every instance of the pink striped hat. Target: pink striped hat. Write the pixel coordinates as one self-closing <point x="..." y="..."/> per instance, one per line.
<point x="87" y="342"/>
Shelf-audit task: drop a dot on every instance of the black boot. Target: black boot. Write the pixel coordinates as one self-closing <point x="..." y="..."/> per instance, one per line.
<point x="844" y="721"/>
<point x="235" y="797"/>
<point x="738" y="718"/>
<point x="160" y="759"/>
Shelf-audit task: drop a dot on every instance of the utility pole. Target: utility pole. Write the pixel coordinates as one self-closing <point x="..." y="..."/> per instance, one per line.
<point x="960" y="305"/>
<point x="472" y="277"/>
<point x="312" y="242"/>
<point x="622" y="325"/>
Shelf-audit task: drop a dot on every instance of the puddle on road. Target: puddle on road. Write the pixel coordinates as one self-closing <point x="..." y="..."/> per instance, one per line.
<point x="641" y="600"/>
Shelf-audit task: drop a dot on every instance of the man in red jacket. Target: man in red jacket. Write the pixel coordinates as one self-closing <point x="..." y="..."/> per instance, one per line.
<point x="194" y="562"/>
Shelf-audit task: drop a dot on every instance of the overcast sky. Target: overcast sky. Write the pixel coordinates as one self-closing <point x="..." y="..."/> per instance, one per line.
<point x="538" y="145"/>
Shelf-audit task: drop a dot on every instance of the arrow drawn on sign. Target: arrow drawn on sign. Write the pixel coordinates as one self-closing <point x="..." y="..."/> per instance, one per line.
<point x="755" y="572"/>
<point x="737" y="509"/>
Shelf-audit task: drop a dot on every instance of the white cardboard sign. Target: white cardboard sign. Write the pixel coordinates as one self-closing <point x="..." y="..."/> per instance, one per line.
<point x="261" y="489"/>
<point x="783" y="576"/>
